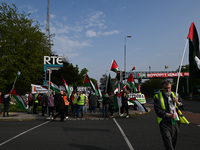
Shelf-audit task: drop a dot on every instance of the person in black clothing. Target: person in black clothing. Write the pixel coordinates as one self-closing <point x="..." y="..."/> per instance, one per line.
<point x="6" y="101"/>
<point x="44" y="103"/>
<point x="124" y="98"/>
<point x="106" y="101"/>
<point x="60" y="105"/>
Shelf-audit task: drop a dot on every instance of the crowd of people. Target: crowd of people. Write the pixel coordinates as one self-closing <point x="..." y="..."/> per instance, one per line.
<point x="79" y="102"/>
<point x="59" y="103"/>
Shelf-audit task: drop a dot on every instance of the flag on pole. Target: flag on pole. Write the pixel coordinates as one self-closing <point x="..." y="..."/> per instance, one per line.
<point x="114" y="66"/>
<point x="116" y="90"/>
<point x="138" y="104"/>
<point x="166" y="67"/>
<point x="149" y="67"/>
<point x="18" y="74"/>
<point x="88" y="82"/>
<point x="54" y="87"/>
<point x="66" y="87"/>
<point x="118" y="100"/>
<point x="99" y="91"/>
<point x="133" y="68"/>
<point x="110" y="87"/>
<point x="194" y="55"/>
<point x="131" y="82"/>
<point x="18" y="98"/>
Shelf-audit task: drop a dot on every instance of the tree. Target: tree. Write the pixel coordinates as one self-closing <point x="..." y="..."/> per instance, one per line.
<point x="22" y="46"/>
<point x="103" y="82"/>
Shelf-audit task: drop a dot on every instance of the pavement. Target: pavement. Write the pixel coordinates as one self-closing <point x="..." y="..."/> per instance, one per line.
<point x="24" y="116"/>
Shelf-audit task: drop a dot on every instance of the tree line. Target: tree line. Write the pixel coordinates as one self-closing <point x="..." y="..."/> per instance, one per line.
<point x="23" y="46"/>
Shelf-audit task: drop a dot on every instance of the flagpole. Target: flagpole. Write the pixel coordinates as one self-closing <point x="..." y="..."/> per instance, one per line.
<point x="180" y="68"/>
<point x="14" y="83"/>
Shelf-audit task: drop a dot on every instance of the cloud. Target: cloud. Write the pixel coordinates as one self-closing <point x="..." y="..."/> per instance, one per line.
<point x="96" y="19"/>
<point x="30" y="8"/>
<point x="91" y="33"/>
<point x="109" y="33"/>
<point x="67" y="46"/>
<point x="52" y="16"/>
<point x="64" y="18"/>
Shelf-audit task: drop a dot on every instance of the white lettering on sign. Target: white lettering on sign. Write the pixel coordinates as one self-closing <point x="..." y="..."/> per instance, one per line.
<point x="53" y="60"/>
<point x="154" y="75"/>
<point x="136" y="95"/>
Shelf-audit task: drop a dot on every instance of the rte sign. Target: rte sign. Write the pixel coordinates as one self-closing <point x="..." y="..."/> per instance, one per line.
<point x="54" y="60"/>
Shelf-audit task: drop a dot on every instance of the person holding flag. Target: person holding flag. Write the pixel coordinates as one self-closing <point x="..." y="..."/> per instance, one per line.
<point x="6" y="102"/>
<point x="166" y="106"/>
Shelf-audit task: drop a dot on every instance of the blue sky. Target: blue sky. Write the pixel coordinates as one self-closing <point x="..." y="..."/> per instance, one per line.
<point x="91" y="33"/>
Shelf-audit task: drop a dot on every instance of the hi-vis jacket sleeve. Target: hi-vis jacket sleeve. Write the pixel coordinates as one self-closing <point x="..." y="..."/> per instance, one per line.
<point x="158" y="109"/>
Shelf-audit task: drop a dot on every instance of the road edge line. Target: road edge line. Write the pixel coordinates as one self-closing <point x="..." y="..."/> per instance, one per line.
<point x="124" y="135"/>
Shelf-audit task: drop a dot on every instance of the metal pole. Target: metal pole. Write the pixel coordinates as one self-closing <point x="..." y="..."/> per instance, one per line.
<point x="49" y="82"/>
<point x="119" y="90"/>
<point x="124" y="55"/>
<point x="129" y="36"/>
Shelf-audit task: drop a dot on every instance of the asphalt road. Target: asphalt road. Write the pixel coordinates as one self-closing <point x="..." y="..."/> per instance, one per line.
<point x="192" y="106"/>
<point x="141" y="131"/>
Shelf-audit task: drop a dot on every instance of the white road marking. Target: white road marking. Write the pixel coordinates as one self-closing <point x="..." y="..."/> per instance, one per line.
<point x="23" y="133"/>
<point x="123" y="134"/>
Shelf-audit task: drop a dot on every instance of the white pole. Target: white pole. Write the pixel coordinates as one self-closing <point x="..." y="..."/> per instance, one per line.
<point x="180" y="68"/>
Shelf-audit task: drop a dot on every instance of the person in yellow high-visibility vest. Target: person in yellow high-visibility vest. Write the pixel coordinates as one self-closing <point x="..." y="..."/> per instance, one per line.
<point x="75" y="96"/>
<point x="166" y="106"/>
<point x="36" y="103"/>
<point x="80" y="104"/>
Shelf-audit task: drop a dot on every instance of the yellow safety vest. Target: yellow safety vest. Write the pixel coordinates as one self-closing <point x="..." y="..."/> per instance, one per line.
<point x="75" y="100"/>
<point x="181" y="117"/>
<point x="36" y="100"/>
<point x="81" y="100"/>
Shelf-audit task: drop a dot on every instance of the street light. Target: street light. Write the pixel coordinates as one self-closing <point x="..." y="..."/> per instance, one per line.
<point x="129" y="36"/>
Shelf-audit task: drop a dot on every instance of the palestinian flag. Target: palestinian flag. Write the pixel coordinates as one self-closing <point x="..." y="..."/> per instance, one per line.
<point x="131" y="82"/>
<point x="149" y="67"/>
<point x="194" y="54"/>
<point x="118" y="100"/>
<point x="114" y="66"/>
<point x="110" y="87"/>
<point x="18" y="98"/>
<point x="88" y="82"/>
<point x="138" y="104"/>
<point x="54" y="87"/>
<point x="133" y="68"/>
<point x="66" y="87"/>
<point x="116" y="90"/>
<point x="18" y="74"/>
<point x="99" y="91"/>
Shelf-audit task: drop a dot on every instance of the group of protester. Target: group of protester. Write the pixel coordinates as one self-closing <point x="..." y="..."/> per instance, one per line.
<point x="79" y="102"/>
<point x="59" y="102"/>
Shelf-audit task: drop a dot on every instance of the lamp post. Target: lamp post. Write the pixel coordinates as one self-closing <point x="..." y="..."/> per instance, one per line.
<point x="129" y="36"/>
